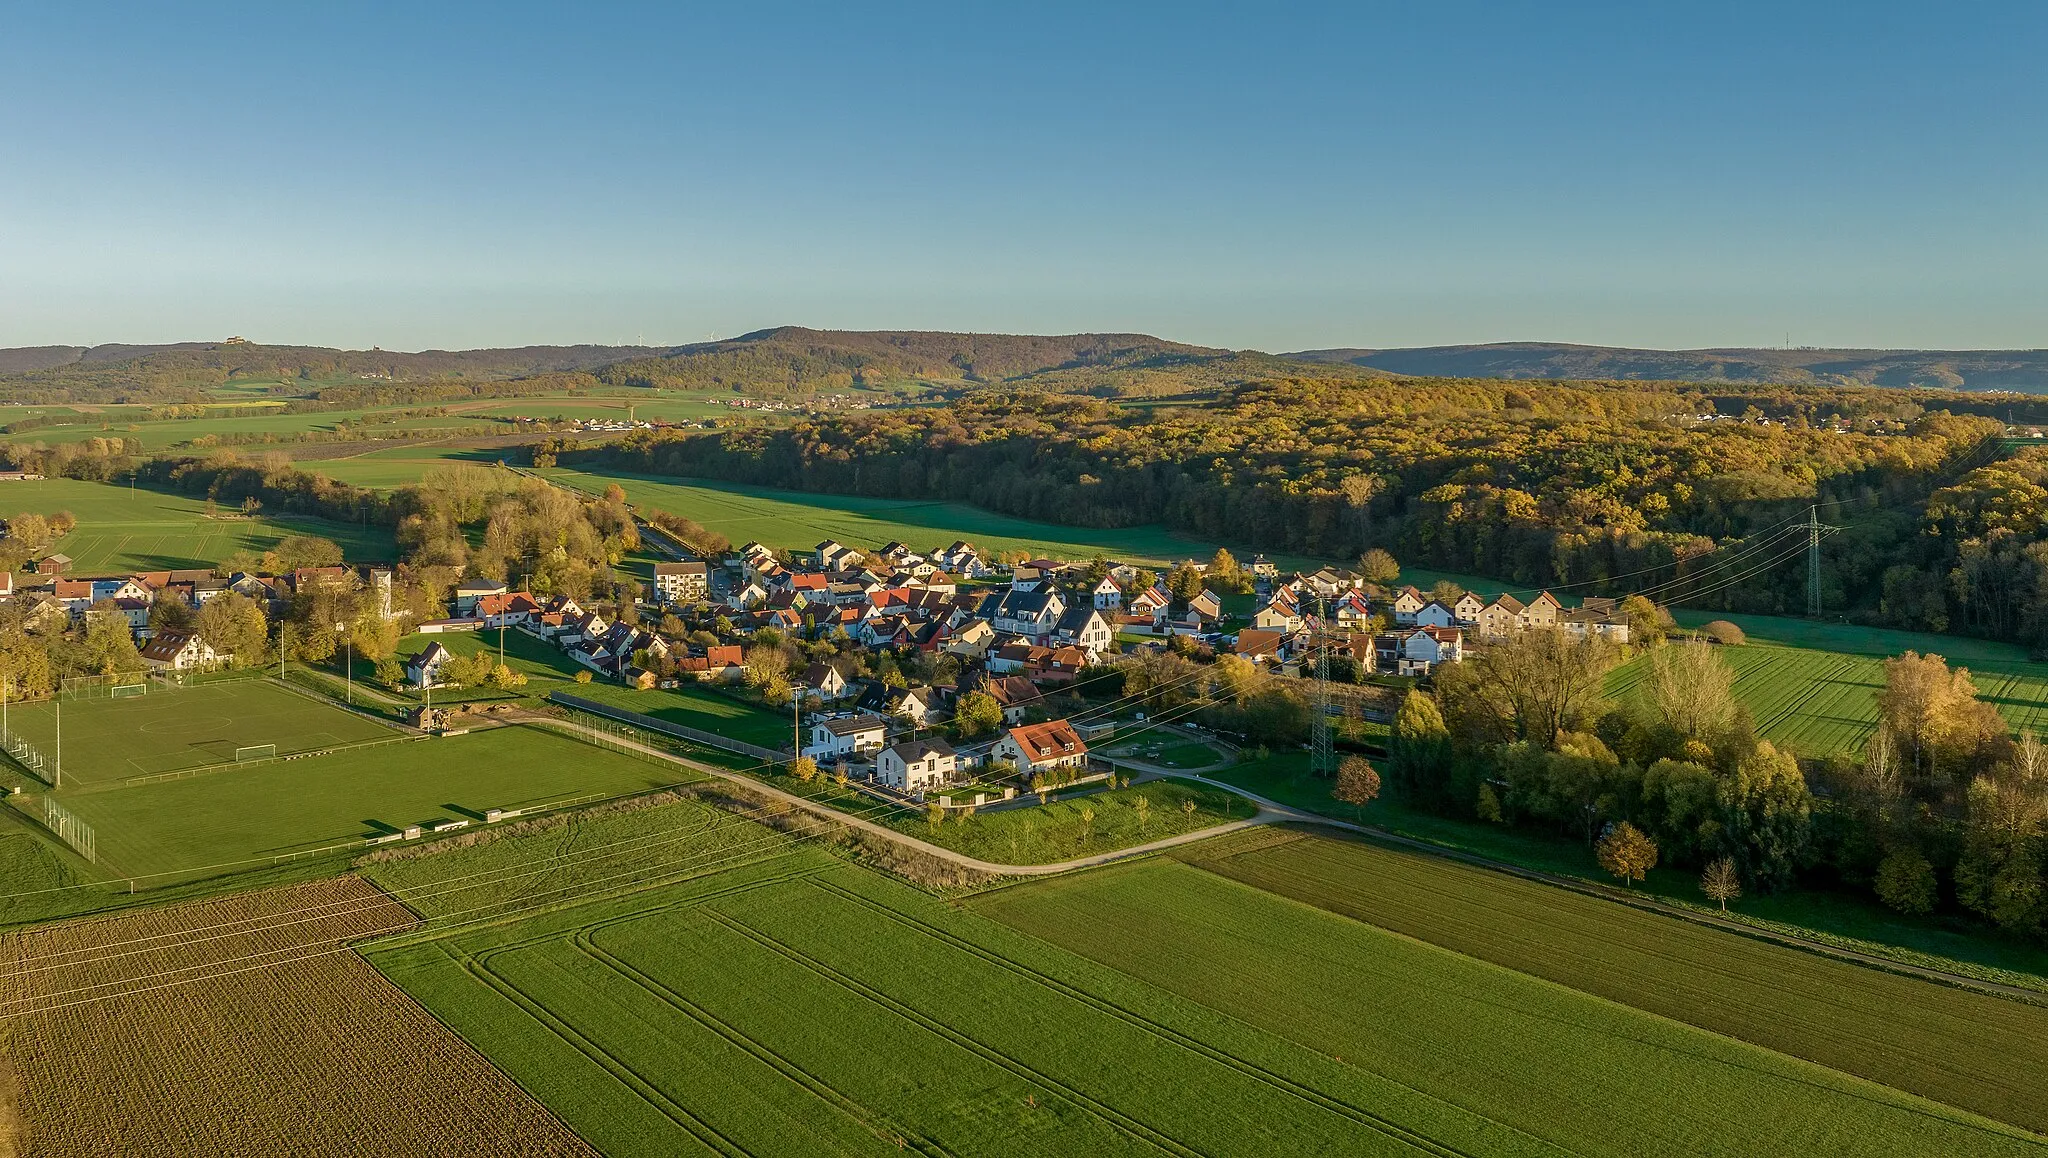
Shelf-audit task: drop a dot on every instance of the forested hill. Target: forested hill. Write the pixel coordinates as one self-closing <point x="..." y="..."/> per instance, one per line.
<point x="805" y="360"/>
<point x="2020" y="370"/>
<point x="1613" y="487"/>
<point x="166" y="372"/>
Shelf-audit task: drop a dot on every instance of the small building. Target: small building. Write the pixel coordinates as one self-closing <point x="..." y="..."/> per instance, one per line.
<point x="915" y="765"/>
<point x="423" y="670"/>
<point x="470" y="591"/>
<point x="175" y="650"/>
<point x="1036" y="748"/>
<point x="843" y="736"/>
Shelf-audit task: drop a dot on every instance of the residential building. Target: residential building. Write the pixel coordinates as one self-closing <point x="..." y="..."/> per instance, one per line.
<point x="915" y="766"/>
<point x="841" y="737"/>
<point x="684" y="584"/>
<point x="175" y="650"/>
<point x="423" y="670"/>
<point x="1036" y="748"/>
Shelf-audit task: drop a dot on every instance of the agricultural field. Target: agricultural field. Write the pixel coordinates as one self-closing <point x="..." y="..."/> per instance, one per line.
<point x="799" y="519"/>
<point x="699" y="708"/>
<point x="123" y="529"/>
<point x="1966" y="1049"/>
<point x="174" y="729"/>
<point x="1152" y="1006"/>
<point x="312" y="1053"/>
<point x="1543" y="1061"/>
<point x="263" y="811"/>
<point x="1819" y="703"/>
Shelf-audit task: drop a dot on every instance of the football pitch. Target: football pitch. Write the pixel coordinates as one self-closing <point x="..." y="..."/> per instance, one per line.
<point x="172" y="729"/>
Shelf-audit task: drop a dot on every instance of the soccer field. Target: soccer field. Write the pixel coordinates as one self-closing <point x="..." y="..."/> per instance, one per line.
<point x="289" y="806"/>
<point x="178" y="729"/>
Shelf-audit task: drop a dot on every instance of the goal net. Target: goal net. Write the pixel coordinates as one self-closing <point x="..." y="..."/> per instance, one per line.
<point x="250" y="752"/>
<point x="103" y="687"/>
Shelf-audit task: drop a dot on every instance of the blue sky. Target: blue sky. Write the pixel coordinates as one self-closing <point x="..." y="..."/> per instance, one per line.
<point x="1269" y="176"/>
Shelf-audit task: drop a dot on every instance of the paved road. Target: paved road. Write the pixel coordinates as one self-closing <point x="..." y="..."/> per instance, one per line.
<point x="1263" y="816"/>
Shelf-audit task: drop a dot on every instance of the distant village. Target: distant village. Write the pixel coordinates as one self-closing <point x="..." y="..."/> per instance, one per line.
<point x="1017" y="633"/>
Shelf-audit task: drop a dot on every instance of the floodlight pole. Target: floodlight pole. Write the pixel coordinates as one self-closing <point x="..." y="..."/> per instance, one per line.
<point x="57" y="770"/>
<point x="348" y="664"/>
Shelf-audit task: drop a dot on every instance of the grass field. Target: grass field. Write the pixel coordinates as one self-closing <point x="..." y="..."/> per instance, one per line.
<point x="800" y="519"/>
<point x="1167" y="752"/>
<point x="290" y="806"/>
<point x="544" y="665"/>
<point x="1955" y="1046"/>
<point x="315" y="1053"/>
<point x="1057" y="831"/>
<point x="1852" y="920"/>
<point x="175" y="729"/>
<point x="699" y="708"/>
<point x="122" y="529"/>
<point x="1822" y="702"/>
<point x="771" y="998"/>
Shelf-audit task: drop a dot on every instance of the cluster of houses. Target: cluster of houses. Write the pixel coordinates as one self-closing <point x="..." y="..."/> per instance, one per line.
<point x="1410" y="633"/>
<point x="916" y="766"/>
<point x="53" y="600"/>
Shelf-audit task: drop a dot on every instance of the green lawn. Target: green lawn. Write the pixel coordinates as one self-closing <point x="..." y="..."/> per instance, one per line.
<point x="1822" y="702"/>
<point x="173" y="729"/>
<point x="799" y="520"/>
<point x="1057" y="831"/>
<point x="1952" y="1045"/>
<point x="137" y="529"/>
<point x="758" y="996"/>
<point x="286" y="806"/>
<point x="700" y="708"/>
<point x="1167" y="751"/>
<point x="545" y="666"/>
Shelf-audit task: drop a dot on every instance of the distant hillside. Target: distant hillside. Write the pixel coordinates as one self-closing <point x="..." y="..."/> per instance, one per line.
<point x="794" y="358"/>
<point x="2019" y="370"/>
<point x="147" y="373"/>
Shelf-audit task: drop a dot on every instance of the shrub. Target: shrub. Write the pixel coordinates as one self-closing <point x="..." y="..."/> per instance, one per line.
<point x="1723" y="632"/>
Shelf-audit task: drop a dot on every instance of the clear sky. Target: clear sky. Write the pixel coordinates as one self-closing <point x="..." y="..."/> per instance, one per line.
<point x="1258" y="175"/>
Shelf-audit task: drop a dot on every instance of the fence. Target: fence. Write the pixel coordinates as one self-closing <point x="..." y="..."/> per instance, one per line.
<point x="71" y="830"/>
<point x="100" y="687"/>
<point x="680" y="732"/>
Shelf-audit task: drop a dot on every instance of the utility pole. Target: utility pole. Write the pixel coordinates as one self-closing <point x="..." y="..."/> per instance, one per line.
<point x="1814" y="530"/>
<point x="1322" y="759"/>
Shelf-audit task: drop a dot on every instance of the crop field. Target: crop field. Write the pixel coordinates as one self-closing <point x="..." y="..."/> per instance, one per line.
<point x="1545" y="1064"/>
<point x="766" y="997"/>
<point x="800" y="519"/>
<point x="150" y="1033"/>
<point x="1822" y="702"/>
<point x="284" y="807"/>
<point x="122" y="529"/>
<point x="699" y="708"/>
<point x="1966" y="1049"/>
<point x="178" y="729"/>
